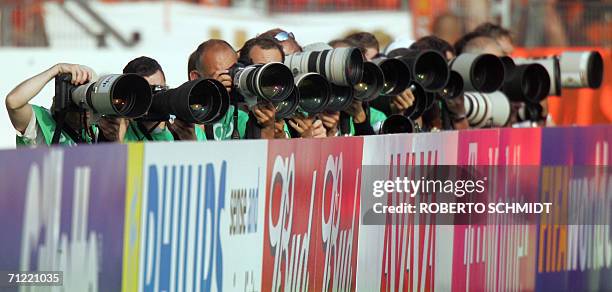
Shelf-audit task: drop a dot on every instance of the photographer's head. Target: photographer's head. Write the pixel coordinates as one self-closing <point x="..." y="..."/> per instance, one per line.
<point x="339" y="43"/>
<point x="210" y="57"/>
<point x="261" y="50"/>
<point x="436" y="44"/>
<point x="477" y="43"/>
<point x="367" y="42"/>
<point x="285" y="39"/>
<point x="147" y="68"/>
<point x="498" y="33"/>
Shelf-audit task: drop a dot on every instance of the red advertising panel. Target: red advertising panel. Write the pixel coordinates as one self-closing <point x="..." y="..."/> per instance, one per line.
<point x="475" y="148"/>
<point x="312" y="215"/>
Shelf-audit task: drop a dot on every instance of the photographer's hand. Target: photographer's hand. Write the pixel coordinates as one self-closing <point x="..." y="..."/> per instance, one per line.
<point x="113" y="129"/>
<point x="279" y="130"/>
<point x="307" y="127"/>
<point x="223" y="77"/>
<point x="17" y="101"/>
<point x="330" y="121"/>
<point x="356" y="111"/>
<point x="401" y="102"/>
<point x="184" y="131"/>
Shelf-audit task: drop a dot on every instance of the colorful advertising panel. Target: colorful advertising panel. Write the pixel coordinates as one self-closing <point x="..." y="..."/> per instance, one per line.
<point x="202" y="217"/>
<point x="64" y="209"/>
<point x="403" y="252"/>
<point x="312" y="215"/>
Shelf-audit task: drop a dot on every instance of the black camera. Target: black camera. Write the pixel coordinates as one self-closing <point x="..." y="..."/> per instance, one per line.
<point x="201" y="101"/>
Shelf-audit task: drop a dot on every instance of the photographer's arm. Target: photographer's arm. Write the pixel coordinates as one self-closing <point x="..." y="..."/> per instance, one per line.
<point x="17" y="101"/>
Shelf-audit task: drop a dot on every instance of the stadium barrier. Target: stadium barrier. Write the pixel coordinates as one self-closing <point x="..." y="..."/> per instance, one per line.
<point x="287" y="214"/>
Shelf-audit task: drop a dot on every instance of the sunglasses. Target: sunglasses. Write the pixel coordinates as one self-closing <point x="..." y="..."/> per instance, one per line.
<point x="283" y="36"/>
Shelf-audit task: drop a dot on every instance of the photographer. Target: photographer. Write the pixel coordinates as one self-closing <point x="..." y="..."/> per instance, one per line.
<point x="445" y="114"/>
<point x="367" y="42"/>
<point x="480" y="43"/>
<point x="285" y="39"/>
<point x="361" y="119"/>
<point x="477" y="43"/>
<point x="148" y="130"/>
<point x="36" y="125"/>
<point x="213" y="59"/>
<point x="262" y="50"/>
<point x="498" y="33"/>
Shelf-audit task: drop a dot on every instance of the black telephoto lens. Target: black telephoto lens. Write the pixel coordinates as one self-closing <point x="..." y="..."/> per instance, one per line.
<point x="396" y="73"/>
<point x="341" y="98"/>
<point x="420" y="102"/>
<point x="527" y="83"/>
<point x="454" y="88"/>
<point x="372" y="83"/>
<point x="314" y="92"/>
<point x="396" y="124"/>
<point x="200" y="101"/>
<point x="287" y="107"/>
<point x="428" y="68"/>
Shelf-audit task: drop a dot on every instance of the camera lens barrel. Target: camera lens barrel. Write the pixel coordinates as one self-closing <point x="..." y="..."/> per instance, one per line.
<point x="314" y="92"/>
<point x="287" y="107"/>
<point x="123" y="95"/>
<point x="454" y="87"/>
<point x="428" y="68"/>
<point x="480" y="72"/>
<point x="487" y="109"/>
<point x="372" y="83"/>
<point x="420" y="101"/>
<point x="396" y="124"/>
<point x="396" y="73"/>
<point x="527" y="83"/>
<point x="201" y="101"/>
<point x="272" y="82"/>
<point x="341" y="98"/>
<point x="581" y="69"/>
<point x="553" y="68"/>
<point x="341" y="66"/>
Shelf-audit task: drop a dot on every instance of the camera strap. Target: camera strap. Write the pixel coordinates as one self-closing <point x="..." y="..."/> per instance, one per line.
<point x="344" y="123"/>
<point x="146" y="132"/>
<point x="235" y="133"/>
<point x="59" y="124"/>
<point x="209" y="131"/>
<point x="445" y="116"/>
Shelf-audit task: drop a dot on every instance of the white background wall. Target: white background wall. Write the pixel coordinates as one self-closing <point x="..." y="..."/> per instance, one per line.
<point x="170" y="32"/>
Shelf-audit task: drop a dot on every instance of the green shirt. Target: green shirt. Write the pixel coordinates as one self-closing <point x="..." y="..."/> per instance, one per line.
<point x="224" y="128"/>
<point x="376" y="119"/>
<point x="44" y="125"/>
<point x="134" y="134"/>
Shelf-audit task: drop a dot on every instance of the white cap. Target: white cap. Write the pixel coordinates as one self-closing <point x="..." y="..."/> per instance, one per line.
<point x="401" y="42"/>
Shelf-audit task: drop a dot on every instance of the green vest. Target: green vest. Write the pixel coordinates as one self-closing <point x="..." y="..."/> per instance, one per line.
<point x="376" y="119"/>
<point x="223" y="129"/>
<point x="133" y="134"/>
<point x="46" y="124"/>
